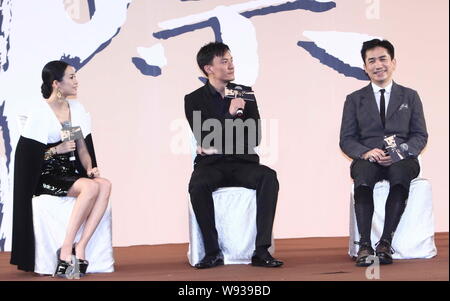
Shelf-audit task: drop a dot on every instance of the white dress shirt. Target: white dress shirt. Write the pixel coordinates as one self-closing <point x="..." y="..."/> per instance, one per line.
<point x="387" y="95"/>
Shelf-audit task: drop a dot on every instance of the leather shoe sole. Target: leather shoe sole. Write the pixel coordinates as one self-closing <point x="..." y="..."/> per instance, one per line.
<point x="209" y="264"/>
<point x="384" y="258"/>
<point x="271" y="263"/>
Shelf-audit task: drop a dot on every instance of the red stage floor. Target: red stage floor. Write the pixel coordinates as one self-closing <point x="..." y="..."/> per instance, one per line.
<point x="306" y="259"/>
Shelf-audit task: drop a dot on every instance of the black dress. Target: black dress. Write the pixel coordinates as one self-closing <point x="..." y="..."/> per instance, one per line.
<point x="57" y="176"/>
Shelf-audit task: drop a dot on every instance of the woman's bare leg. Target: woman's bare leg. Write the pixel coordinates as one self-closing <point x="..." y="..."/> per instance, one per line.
<point x="86" y="192"/>
<point x="95" y="216"/>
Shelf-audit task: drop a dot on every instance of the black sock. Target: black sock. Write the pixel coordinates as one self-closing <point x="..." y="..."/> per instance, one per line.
<point x="364" y="212"/>
<point x="395" y="206"/>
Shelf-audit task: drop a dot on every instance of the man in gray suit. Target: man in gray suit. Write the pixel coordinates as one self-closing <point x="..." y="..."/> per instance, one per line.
<point x="381" y="109"/>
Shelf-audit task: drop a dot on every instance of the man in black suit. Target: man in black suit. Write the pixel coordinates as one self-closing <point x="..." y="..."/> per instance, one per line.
<point x="381" y="109"/>
<point x="226" y="156"/>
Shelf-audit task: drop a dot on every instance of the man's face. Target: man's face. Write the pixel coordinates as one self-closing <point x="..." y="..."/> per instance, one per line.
<point x="221" y="68"/>
<point x="379" y="66"/>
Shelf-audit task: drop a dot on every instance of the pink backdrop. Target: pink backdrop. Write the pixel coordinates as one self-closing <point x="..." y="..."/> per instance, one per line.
<point x="137" y="119"/>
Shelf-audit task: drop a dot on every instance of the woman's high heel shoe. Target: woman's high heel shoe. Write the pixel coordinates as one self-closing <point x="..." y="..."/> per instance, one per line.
<point x="63" y="268"/>
<point x="83" y="263"/>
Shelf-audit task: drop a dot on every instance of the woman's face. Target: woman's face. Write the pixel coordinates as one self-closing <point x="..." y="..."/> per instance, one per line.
<point x="69" y="84"/>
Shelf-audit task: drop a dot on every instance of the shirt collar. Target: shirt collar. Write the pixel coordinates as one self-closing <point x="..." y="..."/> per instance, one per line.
<point x="212" y="89"/>
<point x="376" y="89"/>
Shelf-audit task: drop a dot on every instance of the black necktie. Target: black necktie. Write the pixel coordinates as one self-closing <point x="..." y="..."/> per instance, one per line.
<point x="382" y="107"/>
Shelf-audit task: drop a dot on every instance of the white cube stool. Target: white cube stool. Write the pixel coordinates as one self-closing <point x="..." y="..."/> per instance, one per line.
<point x="235" y="218"/>
<point x="50" y="218"/>
<point x="414" y="237"/>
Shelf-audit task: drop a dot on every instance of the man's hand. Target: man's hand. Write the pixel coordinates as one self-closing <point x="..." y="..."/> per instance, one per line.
<point x="206" y="151"/>
<point x="236" y="103"/>
<point x="385" y="161"/>
<point x="374" y="155"/>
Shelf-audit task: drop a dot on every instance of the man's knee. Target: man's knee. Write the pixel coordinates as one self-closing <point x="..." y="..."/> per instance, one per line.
<point x="364" y="172"/>
<point x="270" y="175"/>
<point x="268" y="172"/>
<point x="399" y="173"/>
<point x="399" y="191"/>
<point x="202" y="183"/>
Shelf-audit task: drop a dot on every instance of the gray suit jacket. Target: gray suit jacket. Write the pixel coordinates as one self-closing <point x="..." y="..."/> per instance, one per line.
<point x="361" y="127"/>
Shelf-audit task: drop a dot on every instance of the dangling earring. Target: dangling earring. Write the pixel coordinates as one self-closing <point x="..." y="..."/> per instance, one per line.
<point x="58" y="94"/>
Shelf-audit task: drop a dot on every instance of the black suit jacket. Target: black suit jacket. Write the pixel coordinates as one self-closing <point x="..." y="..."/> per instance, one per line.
<point x="361" y="127"/>
<point x="239" y="142"/>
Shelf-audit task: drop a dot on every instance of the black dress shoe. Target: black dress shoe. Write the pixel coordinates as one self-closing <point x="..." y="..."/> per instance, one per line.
<point x="265" y="260"/>
<point x="384" y="251"/>
<point x="365" y="252"/>
<point x="210" y="261"/>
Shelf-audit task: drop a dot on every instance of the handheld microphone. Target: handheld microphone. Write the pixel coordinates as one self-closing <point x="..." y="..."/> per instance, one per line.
<point x="239" y="91"/>
<point x="66" y="135"/>
<point x="404" y="147"/>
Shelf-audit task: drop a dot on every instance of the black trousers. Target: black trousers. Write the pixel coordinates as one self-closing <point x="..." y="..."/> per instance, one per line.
<point x="368" y="174"/>
<point x="227" y="172"/>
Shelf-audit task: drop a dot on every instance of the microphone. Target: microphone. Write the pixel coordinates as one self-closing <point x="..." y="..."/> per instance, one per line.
<point x="66" y="135"/>
<point x="404" y="147"/>
<point x="239" y="91"/>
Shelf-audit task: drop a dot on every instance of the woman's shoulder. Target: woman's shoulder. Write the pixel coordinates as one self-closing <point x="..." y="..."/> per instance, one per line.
<point x="34" y="122"/>
<point x="80" y="116"/>
<point x="37" y="109"/>
<point x="75" y="104"/>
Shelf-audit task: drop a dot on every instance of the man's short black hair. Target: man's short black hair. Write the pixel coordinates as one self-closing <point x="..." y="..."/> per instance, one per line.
<point x="377" y="43"/>
<point x="207" y="53"/>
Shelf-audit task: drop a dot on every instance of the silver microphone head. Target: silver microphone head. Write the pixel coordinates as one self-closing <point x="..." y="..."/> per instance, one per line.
<point x="67" y="124"/>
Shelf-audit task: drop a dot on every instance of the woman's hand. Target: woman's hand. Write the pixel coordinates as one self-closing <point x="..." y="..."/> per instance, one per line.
<point x="93" y="172"/>
<point x="65" y="147"/>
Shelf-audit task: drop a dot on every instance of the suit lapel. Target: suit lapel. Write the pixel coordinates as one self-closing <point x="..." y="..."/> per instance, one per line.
<point x="395" y="100"/>
<point x="370" y="104"/>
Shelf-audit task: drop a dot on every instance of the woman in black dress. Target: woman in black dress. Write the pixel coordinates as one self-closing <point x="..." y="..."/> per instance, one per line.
<point x="44" y="164"/>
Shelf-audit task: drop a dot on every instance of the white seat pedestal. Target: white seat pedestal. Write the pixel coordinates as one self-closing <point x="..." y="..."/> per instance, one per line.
<point x="414" y="237"/>
<point x="50" y="218"/>
<point x="235" y="218"/>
